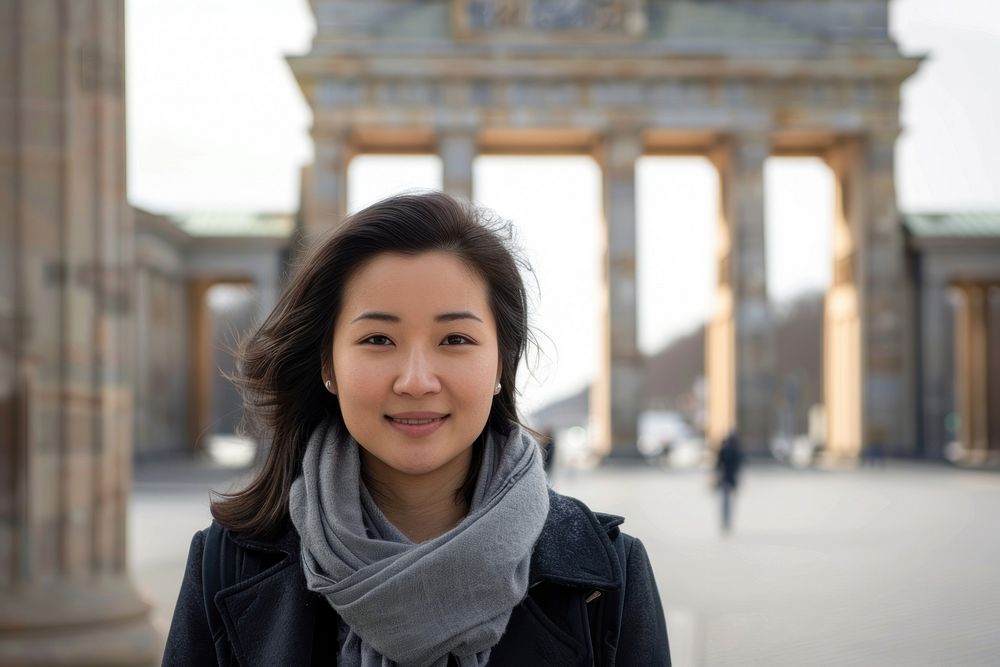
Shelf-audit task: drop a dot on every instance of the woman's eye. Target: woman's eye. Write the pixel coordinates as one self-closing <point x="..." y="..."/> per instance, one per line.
<point x="377" y="339"/>
<point x="456" y="339"/>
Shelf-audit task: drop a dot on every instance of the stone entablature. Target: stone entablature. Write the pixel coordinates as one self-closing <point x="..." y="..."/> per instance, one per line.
<point x="598" y="100"/>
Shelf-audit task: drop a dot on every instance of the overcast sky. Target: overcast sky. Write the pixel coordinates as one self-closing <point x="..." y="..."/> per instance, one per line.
<point x="216" y="122"/>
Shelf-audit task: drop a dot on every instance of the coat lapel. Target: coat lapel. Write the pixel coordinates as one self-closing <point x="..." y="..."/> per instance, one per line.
<point x="278" y="594"/>
<point x="574" y="548"/>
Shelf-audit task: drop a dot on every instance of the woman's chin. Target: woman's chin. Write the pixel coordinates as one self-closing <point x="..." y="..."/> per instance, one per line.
<point x="424" y="464"/>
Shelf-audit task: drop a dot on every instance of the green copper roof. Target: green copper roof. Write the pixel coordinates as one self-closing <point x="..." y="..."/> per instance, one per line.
<point x="954" y="225"/>
<point x="277" y="225"/>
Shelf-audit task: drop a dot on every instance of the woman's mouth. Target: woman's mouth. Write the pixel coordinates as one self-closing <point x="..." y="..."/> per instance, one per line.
<point x="416" y="426"/>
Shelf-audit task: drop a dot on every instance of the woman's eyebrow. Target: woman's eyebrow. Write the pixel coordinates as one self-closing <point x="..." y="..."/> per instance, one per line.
<point x="461" y="315"/>
<point x="376" y="315"/>
<point x="389" y="317"/>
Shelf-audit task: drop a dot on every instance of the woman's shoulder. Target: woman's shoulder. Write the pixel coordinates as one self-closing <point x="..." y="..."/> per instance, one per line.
<point x="586" y="552"/>
<point x="577" y="545"/>
<point x="567" y="512"/>
<point x="282" y="539"/>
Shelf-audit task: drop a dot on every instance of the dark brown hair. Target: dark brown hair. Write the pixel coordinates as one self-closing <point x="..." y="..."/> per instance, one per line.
<point x="280" y="365"/>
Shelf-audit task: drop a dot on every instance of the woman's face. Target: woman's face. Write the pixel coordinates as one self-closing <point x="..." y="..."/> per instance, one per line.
<point x="415" y="362"/>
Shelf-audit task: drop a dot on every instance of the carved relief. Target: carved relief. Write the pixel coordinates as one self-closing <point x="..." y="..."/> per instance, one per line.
<point x="625" y="17"/>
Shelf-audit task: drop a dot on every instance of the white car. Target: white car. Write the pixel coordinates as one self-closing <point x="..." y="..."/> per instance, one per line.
<point x="660" y="430"/>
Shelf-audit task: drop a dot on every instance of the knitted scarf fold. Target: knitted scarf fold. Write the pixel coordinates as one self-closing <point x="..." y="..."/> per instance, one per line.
<point x="415" y="604"/>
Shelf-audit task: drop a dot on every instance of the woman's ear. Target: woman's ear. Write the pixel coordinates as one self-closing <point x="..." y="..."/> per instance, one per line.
<point x="329" y="381"/>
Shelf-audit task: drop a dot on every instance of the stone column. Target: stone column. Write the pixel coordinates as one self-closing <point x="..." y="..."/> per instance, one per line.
<point x="616" y="396"/>
<point x="842" y="315"/>
<point x="200" y="369"/>
<point x="66" y="260"/>
<point x="740" y="342"/>
<point x="325" y="189"/>
<point x="886" y="334"/>
<point x="971" y="364"/>
<point x="992" y="345"/>
<point x="937" y="362"/>
<point x="457" y="149"/>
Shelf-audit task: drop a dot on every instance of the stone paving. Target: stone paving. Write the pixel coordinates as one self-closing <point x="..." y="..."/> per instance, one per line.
<point x="899" y="566"/>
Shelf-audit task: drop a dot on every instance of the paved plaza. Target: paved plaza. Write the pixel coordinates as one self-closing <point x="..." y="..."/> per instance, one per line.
<point x="894" y="566"/>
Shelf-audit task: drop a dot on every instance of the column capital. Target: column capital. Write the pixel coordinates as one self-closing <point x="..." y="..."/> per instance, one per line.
<point x="620" y="148"/>
<point x="457" y="130"/>
<point x="332" y="137"/>
<point x="750" y="146"/>
<point x="887" y="133"/>
<point x="331" y="134"/>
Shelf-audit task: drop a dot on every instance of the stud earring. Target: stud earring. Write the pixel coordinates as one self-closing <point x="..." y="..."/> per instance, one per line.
<point x="496" y="389"/>
<point x="327" y="385"/>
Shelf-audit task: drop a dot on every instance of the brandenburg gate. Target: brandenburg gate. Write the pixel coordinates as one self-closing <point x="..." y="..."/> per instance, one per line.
<point x="736" y="81"/>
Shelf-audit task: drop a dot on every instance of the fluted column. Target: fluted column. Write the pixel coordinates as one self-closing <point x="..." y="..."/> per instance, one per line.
<point x="842" y="306"/>
<point x="457" y="149"/>
<point x="616" y="396"/>
<point x="326" y="187"/>
<point x="65" y="322"/>
<point x="740" y="342"/>
<point x="937" y="362"/>
<point x="972" y="364"/>
<point x="886" y="336"/>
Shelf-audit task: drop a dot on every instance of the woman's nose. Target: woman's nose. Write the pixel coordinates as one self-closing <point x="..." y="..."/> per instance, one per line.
<point x="417" y="376"/>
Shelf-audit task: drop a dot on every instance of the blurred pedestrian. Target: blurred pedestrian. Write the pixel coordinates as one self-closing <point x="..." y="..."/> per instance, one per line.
<point x="727" y="473"/>
<point x="873" y="455"/>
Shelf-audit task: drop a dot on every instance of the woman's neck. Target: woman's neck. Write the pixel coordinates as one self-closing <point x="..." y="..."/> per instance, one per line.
<point x="420" y="506"/>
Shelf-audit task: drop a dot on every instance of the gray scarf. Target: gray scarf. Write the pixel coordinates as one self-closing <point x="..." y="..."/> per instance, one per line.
<point x="416" y="604"/>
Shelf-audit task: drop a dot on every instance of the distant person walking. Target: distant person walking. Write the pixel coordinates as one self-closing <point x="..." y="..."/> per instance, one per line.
<point x="727" y="471"/>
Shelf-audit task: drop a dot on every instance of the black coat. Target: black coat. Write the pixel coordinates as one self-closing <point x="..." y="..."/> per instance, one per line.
<point x="273" y="619"/>
<point x="729" y="462"/>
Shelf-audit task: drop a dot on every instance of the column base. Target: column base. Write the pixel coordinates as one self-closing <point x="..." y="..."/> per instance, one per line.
<point x="75" y="624"/>
<point x="625" y="456"/>
<point x="837" y="460"/>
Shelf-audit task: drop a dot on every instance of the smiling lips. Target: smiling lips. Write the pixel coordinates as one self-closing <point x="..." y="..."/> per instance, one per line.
<point x="416" y="423"/>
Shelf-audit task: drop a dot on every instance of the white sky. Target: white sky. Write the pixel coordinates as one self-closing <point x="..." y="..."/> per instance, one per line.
<point x="216" y="122"/>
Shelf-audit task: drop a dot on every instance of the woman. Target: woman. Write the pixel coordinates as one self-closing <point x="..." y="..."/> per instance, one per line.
<point x="402" y="515"/>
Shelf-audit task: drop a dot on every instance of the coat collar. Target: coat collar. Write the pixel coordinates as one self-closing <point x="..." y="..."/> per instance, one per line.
<point x="574" y="549"/>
